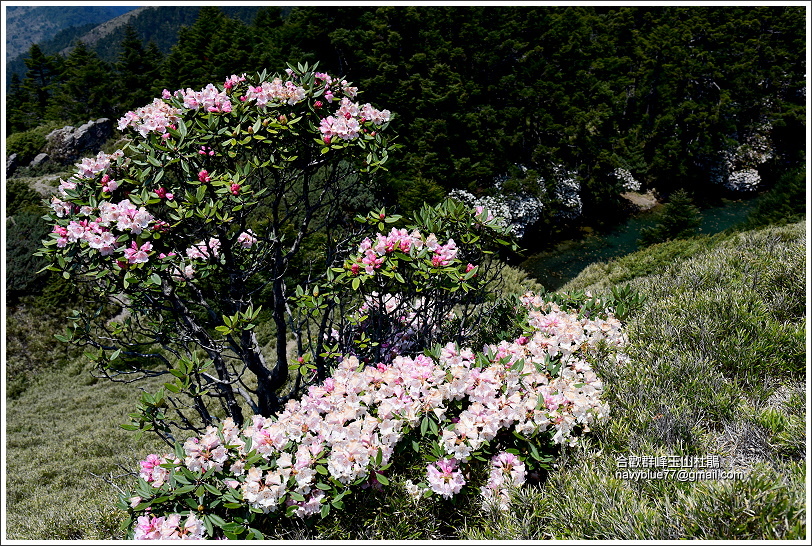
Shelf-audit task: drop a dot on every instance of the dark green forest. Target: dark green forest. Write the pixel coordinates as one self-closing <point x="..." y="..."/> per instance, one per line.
<point x="564" y="106"/>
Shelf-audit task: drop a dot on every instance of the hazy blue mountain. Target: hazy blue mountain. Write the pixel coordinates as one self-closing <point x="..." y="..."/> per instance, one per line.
<point x="26" y="25"/>
<point x="159" y="24"/>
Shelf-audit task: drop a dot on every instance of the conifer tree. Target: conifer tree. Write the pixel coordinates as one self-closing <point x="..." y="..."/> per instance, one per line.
<point x="137" y="72"/>
<point x="678" y="219"/>
<point x="86" y="89"/>
<point x="38" y="84"/>
<point x="16" y="118"/>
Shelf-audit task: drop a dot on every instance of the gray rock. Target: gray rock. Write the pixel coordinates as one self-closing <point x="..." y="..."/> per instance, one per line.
<point x="39" y="160"/>
<point x="12" y="162"/>
<point x="69" y="144"/>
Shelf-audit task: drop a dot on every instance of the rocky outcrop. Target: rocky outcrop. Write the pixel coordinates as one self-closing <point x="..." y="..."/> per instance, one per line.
<point x="69" y="144"/>
<point x="12" y="162"/>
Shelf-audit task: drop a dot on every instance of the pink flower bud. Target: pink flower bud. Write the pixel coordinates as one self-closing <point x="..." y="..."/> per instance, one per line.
<point x="235" y="189"/>
<point x="203" y="176"/>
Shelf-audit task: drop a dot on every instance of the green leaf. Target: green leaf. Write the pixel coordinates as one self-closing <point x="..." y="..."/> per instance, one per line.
<point x="217" y="520"/>
<point x="213" y="490"/>
<point x="171" y="387"/>
<point x="382" y="479"/>
<point x="518" y="366"/>
<point x="297" y="496"/>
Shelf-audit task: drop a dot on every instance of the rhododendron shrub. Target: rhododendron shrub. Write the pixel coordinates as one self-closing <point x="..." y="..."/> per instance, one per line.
<point x="200" y="220"/>
<point x="414" y="282"/>
<point x="479" y="421"/>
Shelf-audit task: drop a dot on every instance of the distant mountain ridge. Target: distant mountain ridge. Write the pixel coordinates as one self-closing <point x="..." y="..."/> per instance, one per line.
<point x="105" y="29"/>
<point x="159" y="24"/>
<point x="27" y="25"/>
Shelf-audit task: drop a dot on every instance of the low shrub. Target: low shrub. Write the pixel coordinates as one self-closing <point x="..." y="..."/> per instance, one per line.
<point x="485" y="421"/>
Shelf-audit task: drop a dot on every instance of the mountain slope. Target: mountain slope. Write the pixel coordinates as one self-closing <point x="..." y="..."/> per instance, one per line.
<point x="26" y="25"/>
<point x="103" y="30"/>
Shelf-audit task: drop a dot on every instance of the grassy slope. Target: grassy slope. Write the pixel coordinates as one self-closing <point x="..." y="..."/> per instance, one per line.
<point x="717" y="368"/>
<point x="717" y="360"/>
<point x="60" y="432"/>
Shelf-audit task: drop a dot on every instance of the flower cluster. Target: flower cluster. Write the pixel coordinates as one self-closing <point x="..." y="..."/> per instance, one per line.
<point x="154" y="469"/>
<point x="507" y="471"/>
<point x="209" y="99"/>
<point x="372" y="254"/>
<point x="169" y="528"/>
<point x="346" y="429"/>
<point x="89" y="167"/>
<point x="349" y="119"/>
<point x="328" y="81"/>
<point x="204" y="250"/>
<point x="154" y="117"/>
<point x="246" y="239"/>
<point x="444" y="478"/>
<point x="233" y="80"/>
<point x="275" y="92"/>
<point x="97" y="233"/>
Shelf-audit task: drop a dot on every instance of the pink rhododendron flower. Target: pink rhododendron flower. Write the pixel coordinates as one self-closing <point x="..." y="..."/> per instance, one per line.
<point x="444" y="479"/>
<point x="247" y="239"/>
<point x="136" y="254"/>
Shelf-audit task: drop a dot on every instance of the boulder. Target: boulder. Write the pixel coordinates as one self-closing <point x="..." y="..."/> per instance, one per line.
<point x="70" y="144"/>
<point x="39" y="160"/>
<point x="12" y="162"/>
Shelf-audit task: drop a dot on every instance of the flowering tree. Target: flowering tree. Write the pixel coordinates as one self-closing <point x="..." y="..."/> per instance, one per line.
<point x="205" y="211"/>
<point x="226" y="199"/>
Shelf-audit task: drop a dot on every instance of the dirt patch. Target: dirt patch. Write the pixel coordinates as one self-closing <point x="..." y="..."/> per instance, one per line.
<point x="643" y="201"/>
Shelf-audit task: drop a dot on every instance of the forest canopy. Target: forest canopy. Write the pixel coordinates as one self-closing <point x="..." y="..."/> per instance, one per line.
<point x="561" y="108"/>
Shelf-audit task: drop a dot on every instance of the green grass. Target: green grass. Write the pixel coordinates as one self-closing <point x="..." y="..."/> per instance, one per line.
<point x="62" y="440"/>
<point x="716" y="367"/>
